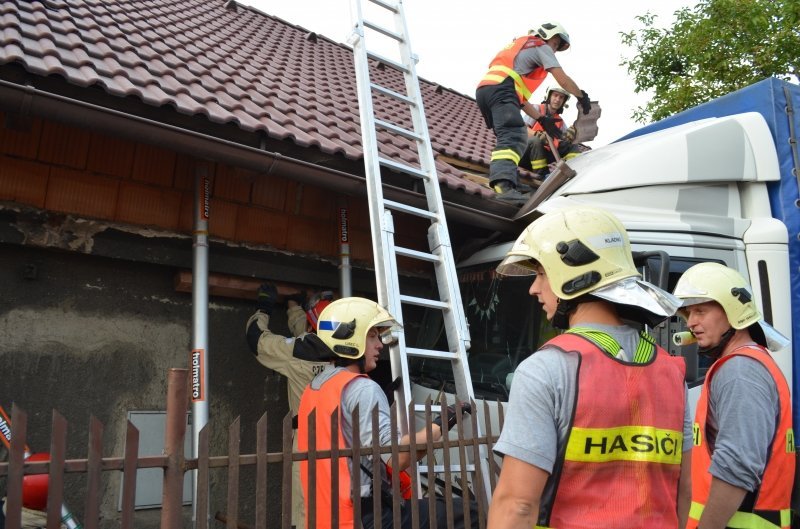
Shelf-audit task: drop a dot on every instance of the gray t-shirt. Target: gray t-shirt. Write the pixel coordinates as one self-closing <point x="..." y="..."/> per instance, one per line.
<point x="529" y="59"/>
<point x="743" y="410"/>
<point x="366" y="394"/>
<point x="542" y="399"/>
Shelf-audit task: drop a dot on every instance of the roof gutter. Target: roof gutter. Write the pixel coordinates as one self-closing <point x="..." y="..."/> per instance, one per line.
<point x="28" y="100"/>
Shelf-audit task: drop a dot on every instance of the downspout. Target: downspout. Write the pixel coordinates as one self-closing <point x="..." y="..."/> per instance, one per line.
<point x="198" y="361"/>
<point x="345" y="279"/>
<point x="17" y="98"/>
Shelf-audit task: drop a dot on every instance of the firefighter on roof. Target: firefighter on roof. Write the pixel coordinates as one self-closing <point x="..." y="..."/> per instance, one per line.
<point x="593" y="435"/>
<point x="512" y="77"/>
<point x="538" y="152"/>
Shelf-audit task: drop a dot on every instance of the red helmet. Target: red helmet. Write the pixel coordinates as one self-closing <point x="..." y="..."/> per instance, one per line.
<point x="34" y="486"/>
<point x="316" y="305"/>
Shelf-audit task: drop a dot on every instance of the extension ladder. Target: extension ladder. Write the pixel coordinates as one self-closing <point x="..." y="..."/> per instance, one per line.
<point x="386" y="253"/>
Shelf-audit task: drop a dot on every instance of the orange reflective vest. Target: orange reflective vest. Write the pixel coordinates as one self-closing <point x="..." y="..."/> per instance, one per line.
<point x="326" y="400"/>
<point x="502" y="67"/>
<point x="558" y="121"/>
<point x="621" y="465"/>
<point x="768" y="507"/>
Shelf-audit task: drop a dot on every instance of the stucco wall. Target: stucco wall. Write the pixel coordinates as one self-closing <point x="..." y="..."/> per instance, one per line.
<point x="89" y="335"/>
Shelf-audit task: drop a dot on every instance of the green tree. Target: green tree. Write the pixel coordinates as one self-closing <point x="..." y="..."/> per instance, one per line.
<point x="713" y="48"/>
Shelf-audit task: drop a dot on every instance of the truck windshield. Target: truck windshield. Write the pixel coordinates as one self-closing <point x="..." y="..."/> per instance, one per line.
<point x="506" y="325"/>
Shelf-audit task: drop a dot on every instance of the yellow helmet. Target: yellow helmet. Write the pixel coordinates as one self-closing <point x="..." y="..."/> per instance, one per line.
<point x="706" y="282"/>
<point x="344" y="324"/>
<point x="581" y="249"/>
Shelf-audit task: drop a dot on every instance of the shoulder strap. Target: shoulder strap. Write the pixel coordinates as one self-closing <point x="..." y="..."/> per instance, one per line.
<point x="645" y="349"/>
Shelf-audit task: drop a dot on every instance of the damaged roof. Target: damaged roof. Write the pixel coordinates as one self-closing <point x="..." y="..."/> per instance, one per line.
<point x="233" y="64"/>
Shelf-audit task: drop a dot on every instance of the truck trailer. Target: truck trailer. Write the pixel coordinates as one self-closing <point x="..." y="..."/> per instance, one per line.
<point x="717" y="182"/>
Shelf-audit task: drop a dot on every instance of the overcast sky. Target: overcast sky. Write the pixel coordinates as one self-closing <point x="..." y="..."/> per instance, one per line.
<point x="456" y="39"/>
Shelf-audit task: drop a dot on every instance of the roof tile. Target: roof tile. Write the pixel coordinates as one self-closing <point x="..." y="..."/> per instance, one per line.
<point x="238" y="66"/>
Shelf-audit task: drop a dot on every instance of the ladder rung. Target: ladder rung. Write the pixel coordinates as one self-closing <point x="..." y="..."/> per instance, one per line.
<point x="440" y="469"/>
<point x="411" y="210"/>
<point x="381" y="58"/>
<point x="383" y="31"/>
<point x="435" y="408"/>
<point x="400" y="131"/>
<point x="424" y="302"/>
<point x="391" y="93"/>
<point x="430" y="353"/>
<point x="414" y="254"/>
<point x="403" y="168"/>
<point x="385" y="5"/>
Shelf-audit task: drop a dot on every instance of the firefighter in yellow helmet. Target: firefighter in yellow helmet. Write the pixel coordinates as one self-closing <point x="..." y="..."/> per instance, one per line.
<point x="355" y="331"/>
<point x="593" y="433"/>
<point x="743" y="460"/>
<point x="513" y="75"/>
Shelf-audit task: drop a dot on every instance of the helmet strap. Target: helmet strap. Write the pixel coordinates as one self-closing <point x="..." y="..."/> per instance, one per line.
<point x="563" y="310"/>
<point x="565" y="307"/>
<point x="715" y="351"/>
<point x="361" y="362"/>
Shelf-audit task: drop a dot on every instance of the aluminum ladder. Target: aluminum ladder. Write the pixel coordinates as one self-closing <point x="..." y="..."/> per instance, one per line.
<point x="386" y="253"/>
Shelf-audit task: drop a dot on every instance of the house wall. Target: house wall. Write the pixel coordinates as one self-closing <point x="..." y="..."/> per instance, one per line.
<point x="59" y="168"/>
<point x="93" y="230"/>
<point x="93" y="336"/>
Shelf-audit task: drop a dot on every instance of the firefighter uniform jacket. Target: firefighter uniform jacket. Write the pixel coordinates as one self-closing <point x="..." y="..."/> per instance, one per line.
<point x="502" y="67"/>
<point x="326" y="400"/>
<point x="768" y="507"/>
<point x="621" y="463"/>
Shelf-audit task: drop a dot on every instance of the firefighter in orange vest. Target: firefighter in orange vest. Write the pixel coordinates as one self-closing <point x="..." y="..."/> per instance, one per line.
<point x="593" y="433"/>
<point x="538" y="151"/>
<point x="743" y="460"/>
<point x="355" y="329"/>
<point x="512" y="77"/>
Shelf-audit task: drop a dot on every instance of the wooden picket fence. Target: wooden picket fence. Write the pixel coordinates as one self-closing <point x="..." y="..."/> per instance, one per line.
<point x="460" y="453"/>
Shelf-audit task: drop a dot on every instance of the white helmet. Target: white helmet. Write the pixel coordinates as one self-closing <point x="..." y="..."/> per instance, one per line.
<point x="559" y="90"/>
<point x="548" y="30"/>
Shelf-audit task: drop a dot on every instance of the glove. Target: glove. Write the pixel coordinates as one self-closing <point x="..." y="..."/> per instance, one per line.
<point x="549" y="126"/>
<point x="299" y="298"/>
<point x="569" y="136"/>
<point x="585" y="102"/>
<point x="464" y="407"/>
<point x="267" y="294"/>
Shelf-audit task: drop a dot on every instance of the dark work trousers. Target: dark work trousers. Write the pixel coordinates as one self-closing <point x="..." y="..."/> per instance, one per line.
<point x="538" y="156"/>
<point x="387" y="518"/>
<point x="500" y="108"/>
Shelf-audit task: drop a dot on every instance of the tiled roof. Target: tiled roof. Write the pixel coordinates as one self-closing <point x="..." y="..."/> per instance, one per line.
<point x="231" y="64"/>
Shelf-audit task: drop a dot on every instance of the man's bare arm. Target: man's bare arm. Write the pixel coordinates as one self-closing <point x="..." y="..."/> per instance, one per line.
<point x="515" y="501"/>
<point x="723" y="501"/>
<point x="565" y="81"/>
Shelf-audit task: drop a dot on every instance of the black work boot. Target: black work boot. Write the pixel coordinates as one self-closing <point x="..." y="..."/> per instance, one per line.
<point x="507" y="192"/>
